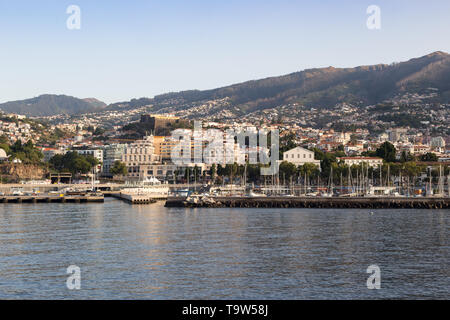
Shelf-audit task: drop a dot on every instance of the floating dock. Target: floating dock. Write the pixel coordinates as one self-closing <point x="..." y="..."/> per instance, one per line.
<point x="51" y="199"/>
<point x="313" y="202"/>
<point x="137" y="198"/>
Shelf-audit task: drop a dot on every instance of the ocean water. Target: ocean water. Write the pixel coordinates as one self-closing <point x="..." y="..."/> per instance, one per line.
<point x="152" y="252"/>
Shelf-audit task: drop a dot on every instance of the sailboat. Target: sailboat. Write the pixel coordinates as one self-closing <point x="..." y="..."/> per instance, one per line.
<point x="329" y="192"/>
<point x="350" y="188"/>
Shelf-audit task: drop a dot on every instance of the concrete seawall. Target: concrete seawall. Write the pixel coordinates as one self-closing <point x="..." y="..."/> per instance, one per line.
<point x="136" y="198"/>
<point x="51" y="199"/>
<point x="305" y="202"/>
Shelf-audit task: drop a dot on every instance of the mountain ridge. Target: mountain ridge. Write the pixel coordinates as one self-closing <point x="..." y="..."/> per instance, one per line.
<point x="51" y="104"/>
<point x="315" y="87"/>
<point x="324" y="87"/>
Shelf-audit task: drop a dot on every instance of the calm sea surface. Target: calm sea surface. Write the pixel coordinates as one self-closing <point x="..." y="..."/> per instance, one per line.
<point x="152" y="252"/>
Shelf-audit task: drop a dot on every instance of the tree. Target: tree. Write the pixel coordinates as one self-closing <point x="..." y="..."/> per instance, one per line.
<point x="73" y="162"/>
<point x="119" y="168"/>
<point x="429" y="157"/>
<point x="196" y="172"/>
<point x="326" y="160"/>
<point x="98" y="132"/>
<point x="309" y="169"/>
<point x="387" y="152"/>
<point x="92" y="160"/>
<point x="412" y="169"/>
<point x="254" y="172"/>
<point x="187" y="173"/>
<point x="406" y="156"/>
<point x="287" y="169"/>
<point x="287" y="143"/>
<point x="27" y="153"/>
<point x="213" y="172"/>
<point x="5" y="147"/>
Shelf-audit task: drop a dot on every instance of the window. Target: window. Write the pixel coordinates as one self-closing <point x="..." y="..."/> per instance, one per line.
<point x="310" y="156"/>
<point x="304" y="155"/>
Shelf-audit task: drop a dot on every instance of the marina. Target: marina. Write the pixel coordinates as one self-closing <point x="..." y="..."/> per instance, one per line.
<point x="232" y="196"/>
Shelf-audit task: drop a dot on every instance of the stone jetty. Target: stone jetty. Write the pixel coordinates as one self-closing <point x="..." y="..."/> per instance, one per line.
<point x="135" y="198"/>
<point x="314" y="202"/>
<point x="52" y="199"/>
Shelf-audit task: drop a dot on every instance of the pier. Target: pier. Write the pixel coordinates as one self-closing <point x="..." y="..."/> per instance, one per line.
<point x="314" y="202"/>
<point x="137" y="198"/>
<point x="51" y="199"/>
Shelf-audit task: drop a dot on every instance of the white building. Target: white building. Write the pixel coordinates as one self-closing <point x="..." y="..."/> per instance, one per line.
<point x="138" y="155"/>
<point x="371" y="161"/>
<point x="140" y="152"/>
<point x="299" y="156"/>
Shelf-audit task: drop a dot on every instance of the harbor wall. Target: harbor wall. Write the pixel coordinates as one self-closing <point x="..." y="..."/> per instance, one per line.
<point x="137" y="198"/>
<point x="310" y="202"/>
<point x="51" y="199"/>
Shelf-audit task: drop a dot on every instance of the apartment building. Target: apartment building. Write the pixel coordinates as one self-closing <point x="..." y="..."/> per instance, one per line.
<point x="138" y="155"/>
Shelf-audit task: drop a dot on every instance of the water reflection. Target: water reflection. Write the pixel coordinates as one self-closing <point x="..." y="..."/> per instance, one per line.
<point x="151" y="252"/>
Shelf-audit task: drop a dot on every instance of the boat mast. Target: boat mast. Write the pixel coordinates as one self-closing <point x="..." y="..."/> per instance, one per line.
<point x="441" y="182"/>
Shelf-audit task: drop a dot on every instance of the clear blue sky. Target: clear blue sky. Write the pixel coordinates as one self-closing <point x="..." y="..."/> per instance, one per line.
<point x="132" y="49"/>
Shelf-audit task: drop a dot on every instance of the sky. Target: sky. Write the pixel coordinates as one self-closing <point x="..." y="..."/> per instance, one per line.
<point x="132" y="49"/>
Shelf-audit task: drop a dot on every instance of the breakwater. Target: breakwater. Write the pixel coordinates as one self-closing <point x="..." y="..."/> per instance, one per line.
<point x="51" y="199"/>
<point x="316" y="202"/>
<point x="132" y="198"/>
